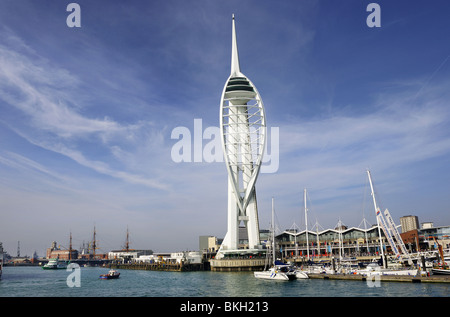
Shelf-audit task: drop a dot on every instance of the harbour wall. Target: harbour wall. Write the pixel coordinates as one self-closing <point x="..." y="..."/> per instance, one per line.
<point x="173" y="267"/>
<point x="235" y="265"/>
<point x="383" y="278"/>
<point x="232" y="265"/>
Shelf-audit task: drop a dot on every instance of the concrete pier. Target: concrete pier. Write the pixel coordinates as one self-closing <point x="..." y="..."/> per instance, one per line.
<point x="383" y="278"/>
<point x="173" y="267"/>
<point x="235" y="265"/>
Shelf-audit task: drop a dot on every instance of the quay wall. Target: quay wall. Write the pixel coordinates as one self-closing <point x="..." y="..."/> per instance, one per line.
<point x="235" y="265"/>
<point x="383" y="278"/>
<point x="174" y="267"/>
<point x="325" y="259"/>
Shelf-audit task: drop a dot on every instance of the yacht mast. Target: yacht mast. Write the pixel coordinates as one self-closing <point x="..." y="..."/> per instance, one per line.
<point x="377" y="210"/>
<point x="273" y="234"/>
<point x="306" y="224"/>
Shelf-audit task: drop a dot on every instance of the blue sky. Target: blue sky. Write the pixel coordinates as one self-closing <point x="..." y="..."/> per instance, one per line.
<point x="87" y="115"/>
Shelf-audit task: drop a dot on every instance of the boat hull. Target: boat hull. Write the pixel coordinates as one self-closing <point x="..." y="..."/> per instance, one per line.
<point x="55" y="264"/>
<point x="388" y="272"/>
<point x="440" y="271"/>
<point x="109" y="277"/>
<point x="301" y="275"/>
<point x="280" y="274"/>
<point x="266" y="275"/>
<point x="54" y="268"/>
<point x="112" y="274"/>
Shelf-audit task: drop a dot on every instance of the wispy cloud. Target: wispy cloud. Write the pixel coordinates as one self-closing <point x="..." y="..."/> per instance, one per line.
<point x="43" y="96"/>
<point x="26" y="165"/>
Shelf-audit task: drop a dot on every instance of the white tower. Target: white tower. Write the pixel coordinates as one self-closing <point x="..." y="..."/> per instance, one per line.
<point x="243" y="130"/>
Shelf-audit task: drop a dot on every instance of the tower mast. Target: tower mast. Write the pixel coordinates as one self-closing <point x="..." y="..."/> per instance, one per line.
<point x="235" y="66"/>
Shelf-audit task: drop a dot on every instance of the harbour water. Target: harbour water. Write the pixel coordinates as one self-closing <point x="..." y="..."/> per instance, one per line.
<point x="36" y="282"/>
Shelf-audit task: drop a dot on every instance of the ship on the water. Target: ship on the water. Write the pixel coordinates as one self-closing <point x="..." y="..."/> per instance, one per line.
<point x="112" y="274"/>
<point x="55" y="264"/>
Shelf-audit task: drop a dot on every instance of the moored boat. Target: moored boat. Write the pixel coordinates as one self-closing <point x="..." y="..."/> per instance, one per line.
<point x="278" y="271"/>
<point x="374" y="269"/>
<point x="300" y="274"/>
<point x="440" y="270"/>
<point x="281" y="273"/>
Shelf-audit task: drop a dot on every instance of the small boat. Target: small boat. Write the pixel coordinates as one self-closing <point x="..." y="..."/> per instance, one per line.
<point x="55" y="264"/>
<point x="276" y="273"/>
<point x="110" y="275"/>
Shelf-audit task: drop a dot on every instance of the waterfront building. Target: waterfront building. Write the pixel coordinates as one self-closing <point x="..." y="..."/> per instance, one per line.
<point x="208" y="244"/>
<point x="243" y="131"/>
<point x="56" y="252"/>
<point x="441" y="234"/>
<point x="188" y="257"/>
<point x="152" y="258"/>
<point x="427" y="225"/>
<point x="412" y="241"/>
<point x="356" y="242"/>
<point x="409" y="223"/>
<point x="126" y="256"/>
<point x="338" y="242"/>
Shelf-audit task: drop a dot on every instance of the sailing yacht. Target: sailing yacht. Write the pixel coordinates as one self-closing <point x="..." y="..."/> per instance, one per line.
<point x="386" y="223"/>
<point x="278" y="271"/>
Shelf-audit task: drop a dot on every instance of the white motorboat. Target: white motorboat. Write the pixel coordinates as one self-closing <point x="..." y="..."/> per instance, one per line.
<point x="440" y="271"/>
<point x="55" y="264"/>
<point x="281" y="273"/>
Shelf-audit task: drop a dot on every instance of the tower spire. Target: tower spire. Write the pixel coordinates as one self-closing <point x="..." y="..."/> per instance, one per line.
<point x="235" y="68"/>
